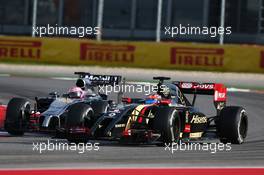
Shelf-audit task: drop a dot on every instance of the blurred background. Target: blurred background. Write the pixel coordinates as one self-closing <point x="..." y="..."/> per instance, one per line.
<point x="137" y="19"/>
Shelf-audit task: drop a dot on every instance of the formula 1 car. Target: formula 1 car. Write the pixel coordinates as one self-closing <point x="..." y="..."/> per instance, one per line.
<point x="162" y="118"/>
<point x="49" y="113"/>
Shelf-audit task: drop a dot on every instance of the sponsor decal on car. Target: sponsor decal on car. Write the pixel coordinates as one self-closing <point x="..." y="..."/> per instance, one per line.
<point x="197" y="119"/>
<point x="20" y="49"/>
<point x="210" y="57"/>
<point x="107" y="52"/>
<point x="190" y="85"/>
<point x="220" y="96"/>
<point x="204" y="86"/>
<point x="120" y="125"/>
<point x="186" y="85"/>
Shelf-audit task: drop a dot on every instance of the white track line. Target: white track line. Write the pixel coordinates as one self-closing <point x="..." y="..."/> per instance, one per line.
<point x="4" y="75"/>
<point x="64" y="78"/>
<point x="232" y="89"/>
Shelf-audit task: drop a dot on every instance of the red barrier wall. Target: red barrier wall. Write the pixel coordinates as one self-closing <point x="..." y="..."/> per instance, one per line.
<point x="140" y="171"/>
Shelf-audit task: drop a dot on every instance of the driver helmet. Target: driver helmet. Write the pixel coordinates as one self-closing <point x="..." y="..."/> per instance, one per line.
<point x="165" y="92"/>
<point x="76" y="92"/>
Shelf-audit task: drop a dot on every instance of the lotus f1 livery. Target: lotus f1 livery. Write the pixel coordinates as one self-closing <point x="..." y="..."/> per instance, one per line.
<point x="162" y="118"/>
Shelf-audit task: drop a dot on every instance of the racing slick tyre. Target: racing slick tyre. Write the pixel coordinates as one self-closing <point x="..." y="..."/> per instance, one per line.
<point x="99" y="107"/>
<point x="167" y="123"/>
<point x="17" y="116"/>
<point x="79" y="115"/>
<point x="233" y="125"/>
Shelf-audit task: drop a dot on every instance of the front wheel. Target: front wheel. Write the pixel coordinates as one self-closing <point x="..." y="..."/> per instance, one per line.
<point x="167" y="123"/>
<point x="17" y="115"/>
<point x="233" y="125"/>
<point x="79" y="116"/>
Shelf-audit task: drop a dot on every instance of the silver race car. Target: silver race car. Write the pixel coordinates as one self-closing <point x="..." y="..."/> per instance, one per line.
<point x="49" y="113"/>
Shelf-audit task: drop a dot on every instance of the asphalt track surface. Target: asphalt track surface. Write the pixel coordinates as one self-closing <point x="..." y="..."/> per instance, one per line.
<point x="17" y="152"/>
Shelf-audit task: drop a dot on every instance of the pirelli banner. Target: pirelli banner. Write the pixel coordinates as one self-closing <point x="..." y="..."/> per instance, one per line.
<point x="164" y="55"/>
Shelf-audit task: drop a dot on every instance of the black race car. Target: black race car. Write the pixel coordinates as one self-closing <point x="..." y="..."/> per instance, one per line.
<point x="164" y="117"/>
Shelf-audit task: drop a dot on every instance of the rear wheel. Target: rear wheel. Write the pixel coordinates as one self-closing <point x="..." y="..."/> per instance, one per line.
<point x="79" y="115"/>
<point x="167" y="123"/>
<point x="233" y="125"/>
<point x="17" y="116"/>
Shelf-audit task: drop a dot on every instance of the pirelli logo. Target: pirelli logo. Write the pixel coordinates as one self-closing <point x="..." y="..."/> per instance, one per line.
<point x="107" y="53"/>
<point x="20" y="49"/>
<point x="209" y="57"/>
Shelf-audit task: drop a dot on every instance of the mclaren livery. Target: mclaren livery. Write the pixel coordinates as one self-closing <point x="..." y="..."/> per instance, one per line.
<point x="161" y="118"/>
<point x="49" y="113"/>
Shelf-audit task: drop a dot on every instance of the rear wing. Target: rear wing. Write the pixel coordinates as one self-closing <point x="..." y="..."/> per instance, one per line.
<point x="219" y="91"/>
<point x="96" y="80"/>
